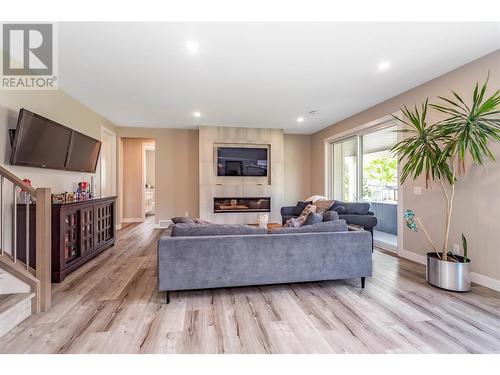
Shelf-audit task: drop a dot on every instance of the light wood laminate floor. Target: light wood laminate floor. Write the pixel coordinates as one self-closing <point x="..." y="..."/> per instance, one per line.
<point x="111" y="305"/>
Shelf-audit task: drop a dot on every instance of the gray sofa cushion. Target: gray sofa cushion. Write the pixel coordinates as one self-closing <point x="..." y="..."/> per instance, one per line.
<point x="313" y="218"/>
<point x="339" y="209"/>
<point x="178" y="220"/>
<point x="326" y="226"/>
<point x="366" y="221"/>
<point x="330" y="216"/>
<point x="193" y="229"/>
<point x="352" y="208"/>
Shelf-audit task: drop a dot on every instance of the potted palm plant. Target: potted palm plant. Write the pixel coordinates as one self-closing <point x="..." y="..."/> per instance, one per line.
<point x="439" y="152"/>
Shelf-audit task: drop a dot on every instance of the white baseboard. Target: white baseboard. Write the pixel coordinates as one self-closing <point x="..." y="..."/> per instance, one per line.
<point x="417" y="258"/>
<point x="384" y="246"/>
<point x="477" y="278"/>
<point x="486" y="281"/>
<point x="133" y="220"/>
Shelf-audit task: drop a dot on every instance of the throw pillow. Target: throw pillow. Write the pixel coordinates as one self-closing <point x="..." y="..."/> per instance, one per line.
<point x="330" y="216"/>
<point x="314" y="198"/>
<point x="300" y="207"/>
<point x="299" y="221"/>
<point x="323" y="205"/>
<point x="313" y="218"/>
<point x="178" y="220"/>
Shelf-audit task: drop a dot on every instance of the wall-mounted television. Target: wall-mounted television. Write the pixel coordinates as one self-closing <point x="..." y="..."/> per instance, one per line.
<point x="40" y="142"/>
<point x="242" y="161"/>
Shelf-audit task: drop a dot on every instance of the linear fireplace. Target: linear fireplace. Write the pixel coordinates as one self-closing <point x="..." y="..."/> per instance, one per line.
<point x="240" y="204"/>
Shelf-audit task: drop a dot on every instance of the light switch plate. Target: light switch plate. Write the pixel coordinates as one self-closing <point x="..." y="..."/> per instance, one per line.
<point x="417" y="190"/>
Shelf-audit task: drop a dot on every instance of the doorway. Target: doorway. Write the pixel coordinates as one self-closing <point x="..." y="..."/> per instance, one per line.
<point x="133" y="181"/>
<point x="149" y="179"/>
<point x="362" y="169"/>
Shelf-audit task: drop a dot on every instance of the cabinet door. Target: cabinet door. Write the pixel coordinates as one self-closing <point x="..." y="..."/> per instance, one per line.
<point x="70" y="230"/>
<point x="104" y="223"/>
<point x="86" y="230"/>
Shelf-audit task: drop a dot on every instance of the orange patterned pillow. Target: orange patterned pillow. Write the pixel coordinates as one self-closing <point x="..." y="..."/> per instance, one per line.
<point x="323" y="205"/>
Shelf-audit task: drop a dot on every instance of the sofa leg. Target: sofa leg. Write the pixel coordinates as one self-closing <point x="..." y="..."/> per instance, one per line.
<point x="363" y="279"/>
<point x="168" y="297"/>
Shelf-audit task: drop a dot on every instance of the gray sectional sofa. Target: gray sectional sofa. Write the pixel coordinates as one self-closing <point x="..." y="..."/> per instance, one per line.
<point x="209" y="256"/>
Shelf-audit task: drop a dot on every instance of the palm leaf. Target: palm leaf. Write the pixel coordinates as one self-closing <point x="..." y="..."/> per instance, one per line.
<point x="420" y="152"/>
<point x="469" y="130"/>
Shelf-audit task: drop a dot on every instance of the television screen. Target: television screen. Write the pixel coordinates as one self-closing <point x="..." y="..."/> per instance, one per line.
<point x="40" y="142"/>
<point x="83" y="153"/>
<point x="240" y="161"/>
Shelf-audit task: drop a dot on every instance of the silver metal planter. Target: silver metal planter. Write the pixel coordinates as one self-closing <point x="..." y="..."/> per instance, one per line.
<point x="448" y="275"/>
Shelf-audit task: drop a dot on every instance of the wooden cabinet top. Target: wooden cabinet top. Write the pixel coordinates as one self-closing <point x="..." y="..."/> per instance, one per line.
<point x="89" y="201"/>
<point x="81" y="202"/>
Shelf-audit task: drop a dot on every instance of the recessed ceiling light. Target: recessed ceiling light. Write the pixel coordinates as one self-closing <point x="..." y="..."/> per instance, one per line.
<point x="314" y="112"/>
<point x="300" y="119"/>
<point x="383" y="65"/>
<point x="192" y="47"/>
<point x="197" y="114"/>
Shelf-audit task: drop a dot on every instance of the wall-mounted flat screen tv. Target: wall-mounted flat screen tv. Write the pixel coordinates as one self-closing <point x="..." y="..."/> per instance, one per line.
<point x="40" y="142"/>
<point x="242" y="161"/>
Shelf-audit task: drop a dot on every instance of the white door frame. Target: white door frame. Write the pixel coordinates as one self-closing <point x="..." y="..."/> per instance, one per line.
<point x="145" y="147"/>
<point x="359" y="131"/>
<point x="105" y="130"/>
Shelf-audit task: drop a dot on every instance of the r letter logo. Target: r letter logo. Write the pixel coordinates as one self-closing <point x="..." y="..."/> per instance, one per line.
<point x="29" y="58"/>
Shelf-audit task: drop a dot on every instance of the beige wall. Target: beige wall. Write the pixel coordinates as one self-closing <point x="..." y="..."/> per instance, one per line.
<point x="477" y="207"/>
<point x="297" y="168"/>
<point x="57" y="106"/>
<point x="176" y="169"/>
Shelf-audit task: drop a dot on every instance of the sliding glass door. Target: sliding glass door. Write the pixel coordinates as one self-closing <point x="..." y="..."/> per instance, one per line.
<point x="364" y="170"/>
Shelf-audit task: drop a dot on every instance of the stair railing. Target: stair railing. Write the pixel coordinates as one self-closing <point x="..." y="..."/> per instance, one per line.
<point x="40" y="276"/>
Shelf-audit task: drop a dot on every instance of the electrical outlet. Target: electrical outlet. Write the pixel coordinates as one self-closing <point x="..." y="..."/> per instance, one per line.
<point x="456" y="249"/>
<point x="186" y="214"/>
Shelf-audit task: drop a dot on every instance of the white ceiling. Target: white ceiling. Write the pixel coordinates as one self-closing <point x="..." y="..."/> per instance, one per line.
<point x="262" y="75"/>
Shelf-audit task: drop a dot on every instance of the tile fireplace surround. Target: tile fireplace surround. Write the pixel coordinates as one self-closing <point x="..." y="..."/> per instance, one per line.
<point x="240" y="204"/>
<point x="212" y="186"/>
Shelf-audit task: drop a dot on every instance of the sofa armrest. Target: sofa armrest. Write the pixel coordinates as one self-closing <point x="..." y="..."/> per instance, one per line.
<point x="370" y="213"/>
<point x="287" y="210"/>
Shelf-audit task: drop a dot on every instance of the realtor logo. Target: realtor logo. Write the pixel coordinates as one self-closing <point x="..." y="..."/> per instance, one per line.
<point x="28" y="57"/>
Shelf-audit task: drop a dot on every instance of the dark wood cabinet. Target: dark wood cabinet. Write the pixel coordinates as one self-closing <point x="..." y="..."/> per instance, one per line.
<point x="80" y="231"/>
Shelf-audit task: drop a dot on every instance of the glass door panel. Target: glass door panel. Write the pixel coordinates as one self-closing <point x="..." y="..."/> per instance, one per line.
<point x="379" y="166"/>
<point x="345" y="170"/>
<point x="379" y="184"/>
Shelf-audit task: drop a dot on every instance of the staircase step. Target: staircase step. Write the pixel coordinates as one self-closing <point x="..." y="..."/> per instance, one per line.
<point x="14" y="308"/>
